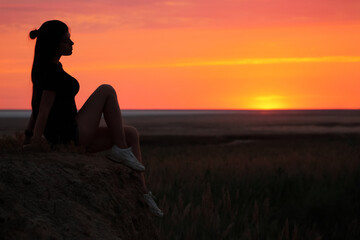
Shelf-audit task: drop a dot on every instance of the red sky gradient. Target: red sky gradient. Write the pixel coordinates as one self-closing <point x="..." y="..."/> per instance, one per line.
<point x="244" y="54"/>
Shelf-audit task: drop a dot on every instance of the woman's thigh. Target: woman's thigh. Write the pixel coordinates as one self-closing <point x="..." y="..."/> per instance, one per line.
<point x="103" y="139"/>
<point x="88" y="117"/>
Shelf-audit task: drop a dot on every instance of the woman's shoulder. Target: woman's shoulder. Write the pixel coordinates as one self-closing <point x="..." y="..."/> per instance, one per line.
<point x="47" y="66"/>
<point x="49" y="69"/>
<point x="53" y="67"/>
<point x="47" y="75"/>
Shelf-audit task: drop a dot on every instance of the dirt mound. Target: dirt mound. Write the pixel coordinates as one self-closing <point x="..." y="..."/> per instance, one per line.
<point x="59" y="195"/>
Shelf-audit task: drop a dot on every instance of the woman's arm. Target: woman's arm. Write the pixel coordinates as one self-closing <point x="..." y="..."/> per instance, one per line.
<point x="29" y="130"/>
<point x="47" y="100"/>
<point x="31" y="123"/>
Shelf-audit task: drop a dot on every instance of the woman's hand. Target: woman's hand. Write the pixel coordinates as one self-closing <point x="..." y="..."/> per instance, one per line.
<point x="38" y="144"/>
<point x="28" y="133"/>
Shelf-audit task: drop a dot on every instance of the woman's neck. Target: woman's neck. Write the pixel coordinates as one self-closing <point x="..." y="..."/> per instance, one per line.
<point x="56" y="60"/>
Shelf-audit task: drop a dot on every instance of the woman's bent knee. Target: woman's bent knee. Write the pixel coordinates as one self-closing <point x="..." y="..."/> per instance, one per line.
<point x="107" y="89"/>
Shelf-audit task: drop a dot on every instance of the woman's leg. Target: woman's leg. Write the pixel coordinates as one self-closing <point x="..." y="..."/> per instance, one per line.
<point x="133" y="140"/>
<point x="102" y="101"/>
<point x="103" y="141"/>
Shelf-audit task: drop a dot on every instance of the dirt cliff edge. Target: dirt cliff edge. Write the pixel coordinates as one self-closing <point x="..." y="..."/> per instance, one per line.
<point x="61" y="195"/>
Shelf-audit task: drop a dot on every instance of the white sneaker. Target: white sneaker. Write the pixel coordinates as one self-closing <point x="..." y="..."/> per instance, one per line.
<point x="126" y="157"/>
<point x="154" y="209"/>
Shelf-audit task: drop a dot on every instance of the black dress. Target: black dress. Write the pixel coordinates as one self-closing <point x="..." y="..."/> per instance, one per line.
<point x="61" y="127"/>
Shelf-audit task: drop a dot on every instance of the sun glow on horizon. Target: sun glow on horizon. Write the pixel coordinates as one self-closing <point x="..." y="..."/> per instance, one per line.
<point x="271" y="102"/>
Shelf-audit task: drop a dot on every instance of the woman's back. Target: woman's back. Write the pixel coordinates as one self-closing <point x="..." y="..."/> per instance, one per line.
<point x="52" y="77"/>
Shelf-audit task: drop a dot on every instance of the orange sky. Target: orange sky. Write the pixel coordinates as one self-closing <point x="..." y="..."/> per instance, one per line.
<point x="230" y="54"/>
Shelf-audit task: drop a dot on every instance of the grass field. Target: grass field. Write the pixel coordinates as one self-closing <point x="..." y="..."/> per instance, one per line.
<point x="255" y="187"/>
<point x="288" y="187"/>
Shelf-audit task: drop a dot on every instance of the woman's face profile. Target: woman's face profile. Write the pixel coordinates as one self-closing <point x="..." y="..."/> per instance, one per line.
<point x="65" y="47"/>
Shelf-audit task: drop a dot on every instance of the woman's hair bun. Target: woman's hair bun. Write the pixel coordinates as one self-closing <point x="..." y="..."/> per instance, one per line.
<point x="34" y="33"/>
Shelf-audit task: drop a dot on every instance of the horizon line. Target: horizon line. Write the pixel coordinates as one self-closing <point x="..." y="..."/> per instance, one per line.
<point x="218" y="109"/>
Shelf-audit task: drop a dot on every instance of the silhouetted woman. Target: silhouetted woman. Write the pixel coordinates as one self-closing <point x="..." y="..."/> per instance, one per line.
<point x="55" y="116"/>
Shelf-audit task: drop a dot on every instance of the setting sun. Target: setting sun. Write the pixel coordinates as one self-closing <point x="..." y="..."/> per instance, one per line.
<point x="269" y="103"/>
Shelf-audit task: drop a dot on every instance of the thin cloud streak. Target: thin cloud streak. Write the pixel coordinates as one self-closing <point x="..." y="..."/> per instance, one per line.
<point x="231" y="62"/>
<point x="256" y="61"/>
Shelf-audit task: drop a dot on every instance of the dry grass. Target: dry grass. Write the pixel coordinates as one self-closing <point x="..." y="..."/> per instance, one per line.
<point x="304" y="187"/>
<point x="297" y="188"/>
